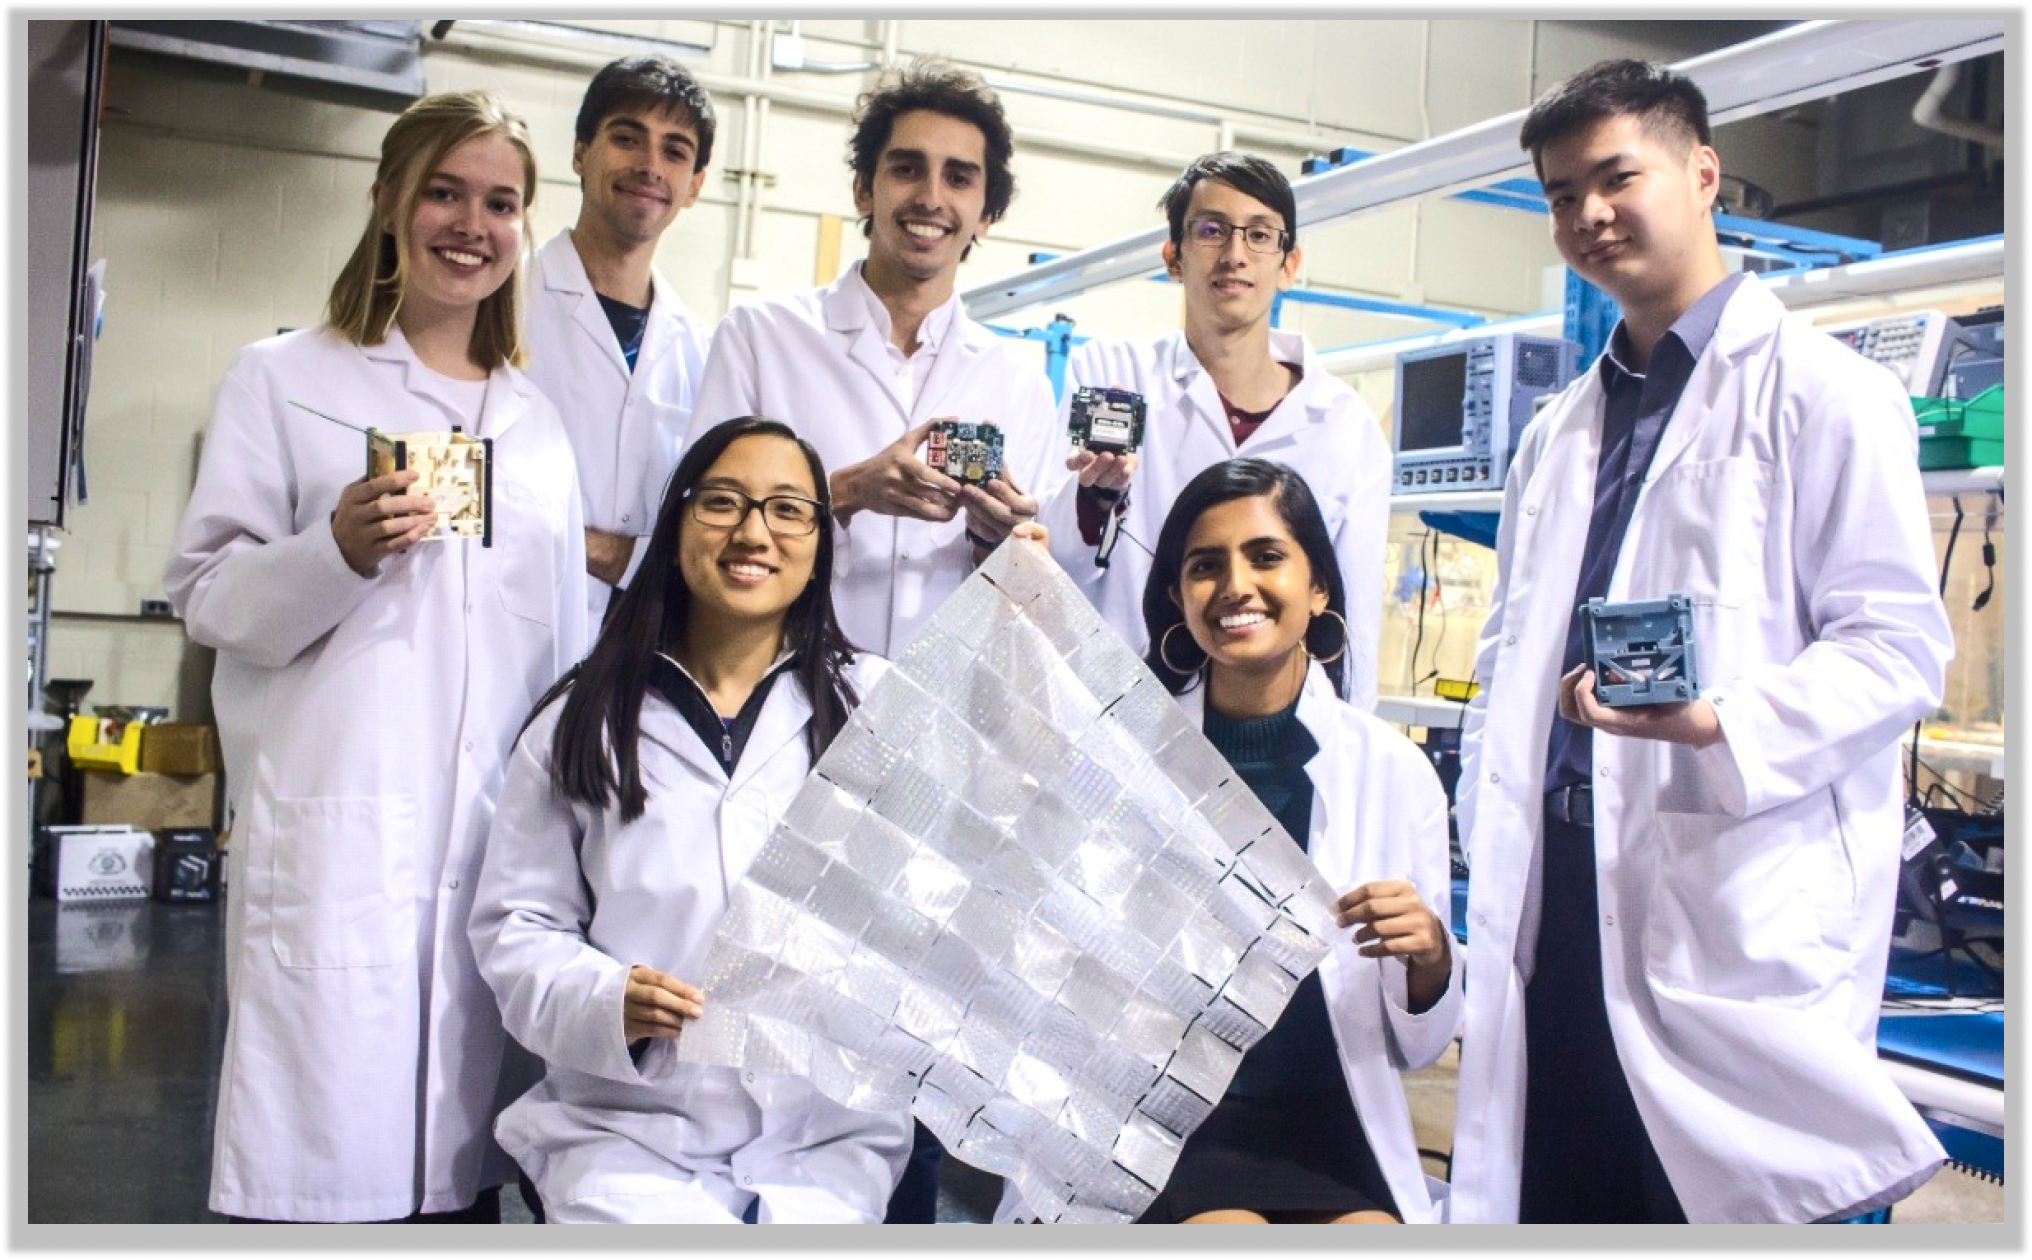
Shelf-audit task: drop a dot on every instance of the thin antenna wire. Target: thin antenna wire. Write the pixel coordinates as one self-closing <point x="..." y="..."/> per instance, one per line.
<point x="344" y="424"/>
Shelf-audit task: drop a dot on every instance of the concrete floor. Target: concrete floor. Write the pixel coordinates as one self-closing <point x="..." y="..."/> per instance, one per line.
<point x="126" y="1020"/>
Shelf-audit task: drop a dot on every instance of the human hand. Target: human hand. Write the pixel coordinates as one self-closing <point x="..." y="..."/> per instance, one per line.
<point x="1034" y="531"/>
<point x="996" y="508"/>
<point x="607" y="555"/>
<point x="375" y="520"/>
<point x="1103" y="470"/>
<point x="894" y="482"/>
<point x="656" y="1005"/>
<point x="1394" y="922"/>
<point x="1689" y="722"/>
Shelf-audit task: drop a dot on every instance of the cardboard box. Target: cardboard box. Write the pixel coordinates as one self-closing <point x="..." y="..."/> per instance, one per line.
<point x="179" y="748"/>
<point x="152" y="802"/>
<point x="94" y="863"/>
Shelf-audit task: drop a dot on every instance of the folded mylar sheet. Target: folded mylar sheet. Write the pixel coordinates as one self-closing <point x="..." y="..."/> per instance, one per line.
<point x="1022" y="896"/>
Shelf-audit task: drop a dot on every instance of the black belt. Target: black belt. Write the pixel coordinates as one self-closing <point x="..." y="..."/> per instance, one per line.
<point x="1574" y="806"/>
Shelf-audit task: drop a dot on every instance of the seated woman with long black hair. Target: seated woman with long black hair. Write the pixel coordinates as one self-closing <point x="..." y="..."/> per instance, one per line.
<point x="1247" y="624"/>
<point x="646" y="782"/>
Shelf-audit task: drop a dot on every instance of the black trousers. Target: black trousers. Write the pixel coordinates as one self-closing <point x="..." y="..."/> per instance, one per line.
<point x="485" y="1210"/>
<point x="915" y="1199"/>
<point x="1587" y="1158"/>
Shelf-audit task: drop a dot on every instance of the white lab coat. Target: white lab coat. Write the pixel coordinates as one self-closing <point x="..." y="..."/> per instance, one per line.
<point x="1378" y="812"/>
<point x="817" y="362"/>
<point x="365" y="724"/>
<point x="570" y="898"/>
<point x="1745" y="889"/>
<point x="625" y="429"/>
<point x="1322" y="428"/>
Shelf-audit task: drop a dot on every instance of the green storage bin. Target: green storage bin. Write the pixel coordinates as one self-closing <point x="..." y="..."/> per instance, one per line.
<point x="1957" y="434"/>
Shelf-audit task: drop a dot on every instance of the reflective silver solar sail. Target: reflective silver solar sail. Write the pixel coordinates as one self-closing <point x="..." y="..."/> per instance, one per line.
<point x="1022" y="896"/>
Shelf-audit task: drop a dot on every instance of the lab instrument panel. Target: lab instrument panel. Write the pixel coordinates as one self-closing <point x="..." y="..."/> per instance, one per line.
<point x="1462" y="408"/>
<point x="1915" y="346"/>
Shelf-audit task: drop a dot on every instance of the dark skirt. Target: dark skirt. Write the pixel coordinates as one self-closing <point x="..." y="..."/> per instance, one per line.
<point x="1299" y="1153"/>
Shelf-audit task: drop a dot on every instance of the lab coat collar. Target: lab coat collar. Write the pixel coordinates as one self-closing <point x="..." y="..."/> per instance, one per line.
<point x="507" y="398"/>
<point x="958" y="347"/>
<point x="564" y="272"/>
<point x="1750" y="320"/>
<point x="1318" y="714"/>
<point x="1306" y="404"/>
<point x="784" y="715"/>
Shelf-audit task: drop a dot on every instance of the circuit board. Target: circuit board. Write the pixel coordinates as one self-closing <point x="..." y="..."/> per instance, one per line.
<point x="968" y="453"/>
<point x="1106" y="420"/>
<point x="453" y="469"/>
<point x="1641" y="651"/>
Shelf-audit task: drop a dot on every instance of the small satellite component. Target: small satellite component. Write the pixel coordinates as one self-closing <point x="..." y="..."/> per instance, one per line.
<point x="1642" y="651"/>
<point x="1106" y="420"/>
<point x="456" y="471"/>
<point x="969" y="453"/>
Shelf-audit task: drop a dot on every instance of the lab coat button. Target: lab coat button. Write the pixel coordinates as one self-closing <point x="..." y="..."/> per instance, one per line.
<point x="1532" y="510"/>
<point x="454" y="885"/>
<point x="626" y="519"/>
<point x="1495" y="778"/>
<point x="1511" y="641"/>
<point x="747" y="1180"/>
<point x="1481" y="920"/>
<point x="1609" y="919"/>
<point x="469" y="745"/>
<point x="751" y="1078"/>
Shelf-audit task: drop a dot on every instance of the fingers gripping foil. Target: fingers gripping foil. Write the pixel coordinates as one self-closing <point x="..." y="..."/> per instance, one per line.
<point x="1022" y="896"/>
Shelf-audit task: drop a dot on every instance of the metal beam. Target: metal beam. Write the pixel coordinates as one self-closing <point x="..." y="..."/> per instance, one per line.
<point x="1959" y="262"/>
<point x="1801" y="63"/>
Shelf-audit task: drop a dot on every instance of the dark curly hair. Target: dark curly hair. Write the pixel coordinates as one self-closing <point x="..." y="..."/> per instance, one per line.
<point x="942" y="88"/>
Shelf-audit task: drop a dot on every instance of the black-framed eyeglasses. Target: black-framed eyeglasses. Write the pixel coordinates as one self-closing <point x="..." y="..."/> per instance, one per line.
<point x="786" y="515"/>
<point x="1260" y="238"/>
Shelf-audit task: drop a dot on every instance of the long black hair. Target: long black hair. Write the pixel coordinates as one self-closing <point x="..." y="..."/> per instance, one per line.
<point x="1222" y="483"/>
<point x="593" y="754"/>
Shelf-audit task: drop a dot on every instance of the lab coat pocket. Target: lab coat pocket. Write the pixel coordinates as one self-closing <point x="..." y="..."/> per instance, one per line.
<point x="344" y="888"/>
<point x="1705" y="525"/>
<point x="1736" y="903"/>
<point x="524" y="530"/>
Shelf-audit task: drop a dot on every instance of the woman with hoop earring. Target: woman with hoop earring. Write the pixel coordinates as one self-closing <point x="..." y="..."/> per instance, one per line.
<point x="1247" y="626"/>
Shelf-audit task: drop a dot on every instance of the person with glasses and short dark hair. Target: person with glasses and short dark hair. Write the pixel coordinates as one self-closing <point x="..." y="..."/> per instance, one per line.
<point x="646" y="781"/>
<point x="1228" y="384"/>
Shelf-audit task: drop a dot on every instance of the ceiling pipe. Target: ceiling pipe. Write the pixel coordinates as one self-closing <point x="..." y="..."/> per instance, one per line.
<point x="1931" y="111"/>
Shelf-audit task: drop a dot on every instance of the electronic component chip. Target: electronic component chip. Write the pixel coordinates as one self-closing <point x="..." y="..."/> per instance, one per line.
<point x="456" y="471"/>
<point x="1647" y="645"/>
<point x="968" y="453"/>
<point x="1106" y="420"/>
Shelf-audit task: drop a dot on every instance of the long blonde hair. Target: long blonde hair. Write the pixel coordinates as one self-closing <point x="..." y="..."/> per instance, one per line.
<point x="371" y="286"/>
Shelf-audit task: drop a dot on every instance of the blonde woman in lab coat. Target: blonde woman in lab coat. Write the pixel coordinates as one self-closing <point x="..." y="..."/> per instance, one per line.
<point x="368" y="687"/>
<point x="644" y="786"/>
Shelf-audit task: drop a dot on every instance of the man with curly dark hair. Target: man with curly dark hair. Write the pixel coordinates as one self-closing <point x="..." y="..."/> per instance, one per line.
<point x="864" y="366"/>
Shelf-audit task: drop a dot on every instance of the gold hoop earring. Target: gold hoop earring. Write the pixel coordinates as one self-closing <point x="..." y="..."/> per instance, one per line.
<point x="1164" y="653"/>
<point x="1307" y="645"/>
